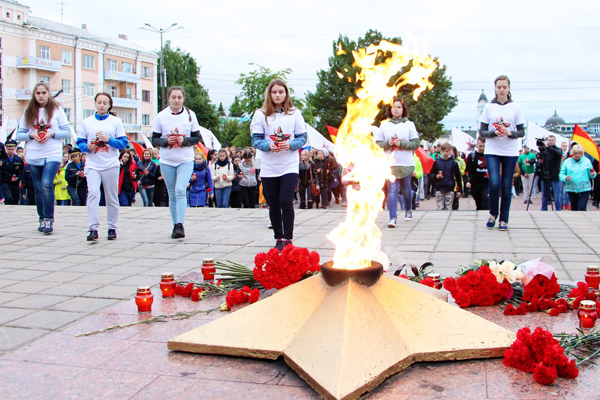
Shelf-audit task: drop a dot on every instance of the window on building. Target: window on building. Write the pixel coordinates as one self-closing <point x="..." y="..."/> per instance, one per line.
<point x="146" y="95"/>
<point x="45" y="79"/>
<point x="128" y="93"/>
<point x="127" y="118"/>
<point x="111" y="65"/>
<point x="65" y="85"/>
<point x="146" y="72"/>
<point x="88" y="89"/>
<point x="67" y="57"/>
<point x="7" y="15"/>
<point x="67" y="113"/>
<point x="45" y="52"/>
<point x="113" y="91"/>
<point x="127" y="67"/>
<point x="145" y="119"/>
<point x="88" y="61"/>
<point x="18" y="17"/>
<point x="88" y="113"/>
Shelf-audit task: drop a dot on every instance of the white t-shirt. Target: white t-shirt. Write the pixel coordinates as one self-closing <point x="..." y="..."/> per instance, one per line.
<point x="166" y="123"/>
<point x="511" y="114"/>
<point x="403" y="131"/>
<point x="284" y="127"/>
<point x="51" y="148"/>
<point x="111" y="127"/>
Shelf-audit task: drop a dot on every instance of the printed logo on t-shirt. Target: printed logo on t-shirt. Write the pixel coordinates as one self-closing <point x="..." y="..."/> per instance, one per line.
<point x="100" y="145"/>
<point x="501" y="124"/>
<point x="175" y="133"/>
<point x="42" y="129"/>
<point x="279" y="136"/>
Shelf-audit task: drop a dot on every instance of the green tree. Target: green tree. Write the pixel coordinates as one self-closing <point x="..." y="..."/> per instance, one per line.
<point x="221" y="110"/>
<point x="235" y="109"/>
<point x="182" y="70"/>
<point x="254" y="85"/>
<point x="230" y="130"/>
<point x="329" y="100"/>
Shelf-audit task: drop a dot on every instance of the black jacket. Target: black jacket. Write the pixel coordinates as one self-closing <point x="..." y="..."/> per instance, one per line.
<point x="73" y="180"/>
<point x="550" y="159"/>
<point x="477" y="168"/>
<point x="304" y="174"/>
<point x="11" y="168"/>
<point x="321" y="169"/>
<point x="149" y="179"/>
<point x="451" y="175"/>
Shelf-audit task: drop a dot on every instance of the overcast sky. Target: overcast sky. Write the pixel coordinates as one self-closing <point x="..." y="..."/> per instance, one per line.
<point x="549" y="49"/>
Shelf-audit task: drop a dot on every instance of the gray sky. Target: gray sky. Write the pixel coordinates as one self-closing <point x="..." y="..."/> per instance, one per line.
<point x="548" y="48"/>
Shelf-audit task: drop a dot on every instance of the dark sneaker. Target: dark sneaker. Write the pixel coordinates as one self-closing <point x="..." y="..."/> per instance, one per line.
<point x="270" y="225"/>
<point x="48" y="227"/>
<point x="112" y="234"/>
<point x="279" y="245"/>
<point x="42" y="225"/>
<point x="503" y="226"/>
<point x="287" y="242"/>
<point x="93" y="236"/>
<point x="178" y="232"/>
<point x="408" y="215"/>
<point x="491" y="222"/>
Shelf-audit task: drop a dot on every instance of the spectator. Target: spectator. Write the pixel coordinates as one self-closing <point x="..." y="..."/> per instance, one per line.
<point x="75" y="176"/>
<point x="27" y="188"/>
<point x="447" y="173"/>
<point x="526" y="163"/>
<point x="60" y="187"/>
<point x="478" y="178"/>
<point x="129" y="173"/>
<point x="235" y="200"/>
<point x="146" y="186"/>
<point x="576" y="172"/>
<point x="321" y="177"/>
<point x="12" y="168"/>
<point x="222" y="174"/>
<point x="249" y="180"/>
<point x="201" y="184"/>
<point x="306" y="177"/>
<point x="550" y="159"/>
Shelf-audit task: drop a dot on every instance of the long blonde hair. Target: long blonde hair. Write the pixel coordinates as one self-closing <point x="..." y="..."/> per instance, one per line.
<point x="268" y="108"/>
<point x="308" y="160"/>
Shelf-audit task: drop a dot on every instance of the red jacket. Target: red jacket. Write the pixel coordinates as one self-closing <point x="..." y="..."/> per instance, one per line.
<point x="132" y="172"/>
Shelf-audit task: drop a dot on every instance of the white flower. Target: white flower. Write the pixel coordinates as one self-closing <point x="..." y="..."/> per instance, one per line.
<point x="506" y="270"/>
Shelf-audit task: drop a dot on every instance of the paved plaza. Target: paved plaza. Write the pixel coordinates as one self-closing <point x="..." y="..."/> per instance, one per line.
<point x="56" y="286"/>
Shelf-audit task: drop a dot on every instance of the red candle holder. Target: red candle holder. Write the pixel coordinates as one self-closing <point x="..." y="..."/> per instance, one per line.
<point x="587" y="314"/>
<point x="437" y="280"/>
<point x="592" y="276"/>
<point x="208" y="269"/>
<point x="167" y="284"/>
<point x="144" y="299"/>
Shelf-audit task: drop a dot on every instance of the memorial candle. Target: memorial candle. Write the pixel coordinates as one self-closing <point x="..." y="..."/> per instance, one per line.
<point x="592" y="276"/>
<point x="587" y="314"/>
<point x="167" y="284"/>
<point x="144" y="299"/>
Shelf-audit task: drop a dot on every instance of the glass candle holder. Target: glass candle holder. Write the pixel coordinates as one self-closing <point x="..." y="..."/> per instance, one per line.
<point x="592" y="276"/>
<point x="167" y="284"/>
<point x="587" y="314"/>
<point x="437" y="280"/>
<point x="208" y="269"/>
<point x="144" y="299"/>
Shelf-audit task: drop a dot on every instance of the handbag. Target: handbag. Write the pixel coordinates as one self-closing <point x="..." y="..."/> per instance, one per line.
<point x="314" y="192"/>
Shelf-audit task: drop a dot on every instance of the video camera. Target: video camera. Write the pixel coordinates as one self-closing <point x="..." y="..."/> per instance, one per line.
<point x="540" y="143"/>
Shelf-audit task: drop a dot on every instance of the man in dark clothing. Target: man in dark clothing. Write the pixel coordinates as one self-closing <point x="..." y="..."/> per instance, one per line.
<point x="77" y="183"/>
<point x="478" y="178"/>
<point x="550" y="159"/>
<point x="11" y="169"/>
<point x="27" y="188"/>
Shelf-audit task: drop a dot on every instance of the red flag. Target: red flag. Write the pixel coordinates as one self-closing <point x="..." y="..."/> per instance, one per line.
<point x="425" y="158"/>
<point x="332" y="133"/>
<point x="581" y="137"/>
<point x="137" y="147"/>
<point x="203" y="149"/>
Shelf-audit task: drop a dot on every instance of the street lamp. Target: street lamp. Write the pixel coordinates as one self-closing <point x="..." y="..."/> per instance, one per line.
<point x="163" y="72"/>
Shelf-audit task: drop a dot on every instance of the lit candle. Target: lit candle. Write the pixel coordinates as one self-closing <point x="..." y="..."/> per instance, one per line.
<point x="167" y="284"/>
<point x="437" y="280"/>
<point x="592" y="276"/>
<point x="587" y="314"/>
<point x="144" y="299"/>
<point x="208" y="269"/>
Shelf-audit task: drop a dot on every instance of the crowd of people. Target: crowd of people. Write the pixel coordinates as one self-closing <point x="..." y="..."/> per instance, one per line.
<point x="277" y="170"/>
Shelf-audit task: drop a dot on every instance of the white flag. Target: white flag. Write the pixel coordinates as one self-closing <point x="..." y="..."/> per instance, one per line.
<point x="316" y="140"/>
<point x="463" y="142"/>
<point x="535" y="132"/>
<point x="209" y="139"/>
<point x="146" y="141"/>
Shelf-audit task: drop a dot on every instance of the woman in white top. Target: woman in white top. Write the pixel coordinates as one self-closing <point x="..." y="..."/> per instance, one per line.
<point x="44" y="125"/>
<point x="399" y="137"/>
<point x="102" y="136"/>
<point x="501" y="123"/>
<point x="278" y="131"/>
<point x="176" y="131"/>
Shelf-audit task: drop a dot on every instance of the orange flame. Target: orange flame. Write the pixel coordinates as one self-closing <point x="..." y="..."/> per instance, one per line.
<point x="358" y="239"/>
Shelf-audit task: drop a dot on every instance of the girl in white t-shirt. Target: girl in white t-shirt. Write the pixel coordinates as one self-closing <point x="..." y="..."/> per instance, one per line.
<point x="278" y="131"/>
<point x="44" y="125"/>
<point x="399" y="137"/>
<point x="101" y="137"/>
<point x="501" y="123"/>
<point x="176" y="131"/>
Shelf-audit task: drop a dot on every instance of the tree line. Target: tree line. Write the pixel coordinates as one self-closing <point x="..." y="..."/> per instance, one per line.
<point x="325" y="106"/>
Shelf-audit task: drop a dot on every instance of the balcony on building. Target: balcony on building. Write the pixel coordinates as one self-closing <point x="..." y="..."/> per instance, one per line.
<point x="119" y="76"/>
<point x="42" y="64"/>
<point x="132" y="127"/>
<point x="126" y="103"/>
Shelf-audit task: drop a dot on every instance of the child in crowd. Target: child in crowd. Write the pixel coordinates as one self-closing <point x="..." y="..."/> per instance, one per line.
<point x="201" y="184"/>
<point x="447" y="175"/>
<point x="60" y="187"/>
<point x="128" y="176"/>
<point x="235" y="200"/>
<point x="249" y="180"/>
<point x="75" y="176"/>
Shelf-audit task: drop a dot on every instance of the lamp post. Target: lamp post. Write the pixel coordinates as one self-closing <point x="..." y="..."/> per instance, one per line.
<point x="163" y="75"/>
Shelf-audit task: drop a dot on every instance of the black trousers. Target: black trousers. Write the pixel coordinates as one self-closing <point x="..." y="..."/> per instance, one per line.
<point x="248" y="196"/>
<point x="280" y="198"/>
<point x="11" y="192"/>
<point x="480" y="193"/>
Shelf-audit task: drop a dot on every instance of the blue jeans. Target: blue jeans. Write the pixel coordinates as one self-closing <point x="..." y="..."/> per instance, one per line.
<point x="392" y="198"/>
<point x="546" y="194"/>
<point x="147" y="195"/>
<point x="126" y="198"/>
<point x="579" y="201"/>
<point x="500" y="183"/>
<point x="280" y="197"/>
<point x="43" y="181"/>
<point x="176" y="179"/>
<point x="222" y="196"/>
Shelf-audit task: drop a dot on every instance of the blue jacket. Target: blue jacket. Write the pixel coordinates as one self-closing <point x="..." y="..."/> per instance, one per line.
<point x="580" y="174"/>
<point x="451" y="175"/>
<point x="201" y="185"/>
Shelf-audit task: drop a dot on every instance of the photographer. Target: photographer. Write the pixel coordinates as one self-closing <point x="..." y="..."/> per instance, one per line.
<point x="526" y="164"/>
<point x="550" y="158"/>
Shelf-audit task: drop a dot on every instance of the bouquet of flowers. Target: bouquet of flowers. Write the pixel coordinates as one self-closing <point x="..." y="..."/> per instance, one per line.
<point x="277" y="269"/>
<point x="478" y="287"/>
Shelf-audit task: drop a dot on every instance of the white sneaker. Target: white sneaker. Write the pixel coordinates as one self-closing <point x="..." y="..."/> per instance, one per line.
<point x="392" y="223"/>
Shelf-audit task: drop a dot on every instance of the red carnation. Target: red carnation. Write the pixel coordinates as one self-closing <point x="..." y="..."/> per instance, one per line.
<point x="554" y="312"/>
<point x="428" y="281"/>
<point x="562" y="308"/>
<point x="254" y="294"/>
<point x="544" y="375"/>
<point x="510" y="310"/>
<point x="196" y="294"/>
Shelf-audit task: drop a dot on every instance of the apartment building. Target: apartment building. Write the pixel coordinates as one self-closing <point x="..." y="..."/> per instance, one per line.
<point x="77" y="64"/>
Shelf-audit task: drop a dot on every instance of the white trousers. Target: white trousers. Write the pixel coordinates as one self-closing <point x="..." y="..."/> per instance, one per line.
<point x="527" y="183"/>
<point x="109" y="178"/>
